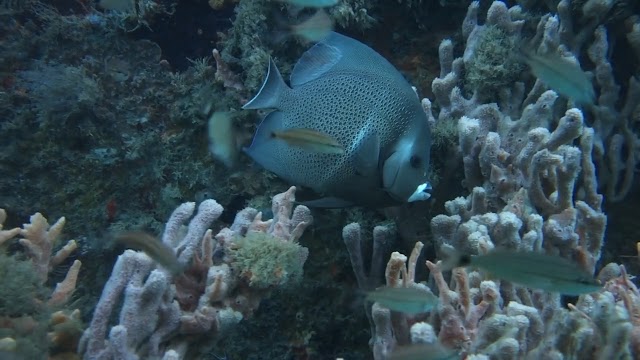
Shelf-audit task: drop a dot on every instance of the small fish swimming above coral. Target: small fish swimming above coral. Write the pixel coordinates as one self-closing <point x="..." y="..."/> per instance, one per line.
<point x="407" y="300"/>
<point x="344" y="89"/>
<point x="531" y="269"/>
<point x="160" y="252"/>
<point x="561" y="75"/>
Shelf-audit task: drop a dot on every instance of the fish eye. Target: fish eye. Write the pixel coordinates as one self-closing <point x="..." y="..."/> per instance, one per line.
<point x="415" y="161"/>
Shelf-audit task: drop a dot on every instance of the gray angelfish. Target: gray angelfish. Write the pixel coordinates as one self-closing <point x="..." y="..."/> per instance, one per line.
<point x="344" y="89"/>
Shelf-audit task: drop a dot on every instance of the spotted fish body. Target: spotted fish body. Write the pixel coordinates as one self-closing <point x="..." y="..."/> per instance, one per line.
<point x="346" y="90"/>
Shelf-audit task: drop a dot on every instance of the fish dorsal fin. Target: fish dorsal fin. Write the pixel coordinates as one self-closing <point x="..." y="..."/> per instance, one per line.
<point x="354" y="57"/>
<point x="314" y="63"/>
<point x="341" y="54"/>
<point x="367" y="152"/>
<point x="271" y="91"/>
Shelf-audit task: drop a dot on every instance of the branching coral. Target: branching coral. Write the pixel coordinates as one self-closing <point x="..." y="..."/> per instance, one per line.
<point x="532" y="164"/>
<point x="161" y="315"/>
<point x="25" y="302"/>
<point x="615" y="145"/>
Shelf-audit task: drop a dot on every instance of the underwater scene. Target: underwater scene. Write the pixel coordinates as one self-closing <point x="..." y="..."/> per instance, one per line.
<point x="319" y="179"/>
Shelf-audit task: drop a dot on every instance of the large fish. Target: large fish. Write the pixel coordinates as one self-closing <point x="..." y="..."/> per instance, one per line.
<point x="344" y="89"/>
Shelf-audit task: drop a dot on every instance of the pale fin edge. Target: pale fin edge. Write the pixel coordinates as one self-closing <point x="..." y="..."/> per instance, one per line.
<point x="271" y="91"/>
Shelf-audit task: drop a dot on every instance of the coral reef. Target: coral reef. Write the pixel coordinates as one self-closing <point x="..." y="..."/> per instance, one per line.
<point x="25" y="300"/>
<point x="109" y="120"/>
<point x="615" y="143"/>
<point x="102" y="121"/>
<point x="533" y="165"/>
<point x="163" y="316"/>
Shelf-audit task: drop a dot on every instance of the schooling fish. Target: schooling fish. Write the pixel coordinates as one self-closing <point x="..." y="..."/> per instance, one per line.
<point x="531" y="269"/>
<point x="561" y="75"/>
<point x="154" y="248"/>
<point x="310" y="140"/>
<point x="406" y="300"/>
<point x="346" y="90"/>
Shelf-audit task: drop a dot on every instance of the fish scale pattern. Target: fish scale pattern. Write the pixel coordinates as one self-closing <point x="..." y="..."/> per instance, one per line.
<point x="344" y="89"/>
<point x="339" y="106"/>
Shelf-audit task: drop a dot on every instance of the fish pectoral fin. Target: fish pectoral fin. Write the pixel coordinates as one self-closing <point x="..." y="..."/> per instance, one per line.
<point x="314" y="63"/>
<point x="367" y="154"/>
<point x="327" y="202"/>
<point x="269" y="95"/>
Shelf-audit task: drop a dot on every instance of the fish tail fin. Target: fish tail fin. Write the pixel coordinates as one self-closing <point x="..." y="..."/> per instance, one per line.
<point x="271" y="90"/>
<point x="452" y="258"/>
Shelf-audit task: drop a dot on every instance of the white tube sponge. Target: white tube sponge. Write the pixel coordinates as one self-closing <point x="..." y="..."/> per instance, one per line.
<point x="180" y="215"/>
<point x="208" y="211"/>
<point x="93" y="343"/>
<point x="142" y="299"/>
<point x="423" y="333"/>
<point x="383" y="340"/>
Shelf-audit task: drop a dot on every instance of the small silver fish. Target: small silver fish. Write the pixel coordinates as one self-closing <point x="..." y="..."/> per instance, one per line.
<point x="531" y="269"/>
<point x="423" y="352"/>
<point x="316" y="28"/>
<point x="407" y="300"/>
<point x="562" y="76"/>
<point x="223" y="142"/>
<point x="312" y="3"/>
<point x="310" y="140"/>
<point x="154" y="248"/>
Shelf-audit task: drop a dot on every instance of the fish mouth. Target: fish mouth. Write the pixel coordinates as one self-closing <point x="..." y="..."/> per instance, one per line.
<point x="422" y="193"/>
